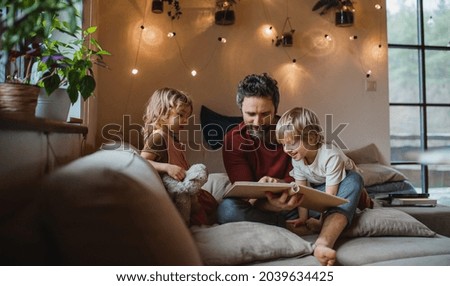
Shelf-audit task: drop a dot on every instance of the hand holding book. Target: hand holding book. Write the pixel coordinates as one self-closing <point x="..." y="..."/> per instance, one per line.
<point x="313" y="199"/>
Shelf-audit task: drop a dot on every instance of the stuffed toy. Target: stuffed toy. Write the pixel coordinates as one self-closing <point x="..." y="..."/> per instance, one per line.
<point x="184" y="193"/>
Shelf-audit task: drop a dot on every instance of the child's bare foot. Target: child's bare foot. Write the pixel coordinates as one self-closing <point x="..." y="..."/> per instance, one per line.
<point x="325" y="255"/>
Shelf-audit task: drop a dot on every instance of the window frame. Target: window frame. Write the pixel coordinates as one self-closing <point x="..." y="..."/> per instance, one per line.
<point x="423" y="105"/>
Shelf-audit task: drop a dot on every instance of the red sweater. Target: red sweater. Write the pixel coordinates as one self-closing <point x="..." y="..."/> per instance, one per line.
<point x="249" y="159"/>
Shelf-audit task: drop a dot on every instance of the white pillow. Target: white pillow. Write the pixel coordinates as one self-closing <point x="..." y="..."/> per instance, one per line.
<point x="386" y="222"/>
<point x="244" y="242"/>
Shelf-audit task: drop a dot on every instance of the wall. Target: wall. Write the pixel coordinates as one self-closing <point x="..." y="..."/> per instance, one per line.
<point x="328" y="76"/>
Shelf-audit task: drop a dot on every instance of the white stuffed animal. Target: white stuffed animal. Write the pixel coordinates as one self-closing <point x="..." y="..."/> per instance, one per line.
<point x="184" y="192"/>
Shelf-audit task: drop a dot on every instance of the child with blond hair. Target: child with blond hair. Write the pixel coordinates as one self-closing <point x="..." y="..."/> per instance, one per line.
<point x="322" y="165"/>
<point x="167" y="111"/>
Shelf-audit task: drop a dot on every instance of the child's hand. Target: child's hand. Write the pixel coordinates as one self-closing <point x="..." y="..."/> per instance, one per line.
<point x="297" y="222"/>
<point x="176" y="172"/>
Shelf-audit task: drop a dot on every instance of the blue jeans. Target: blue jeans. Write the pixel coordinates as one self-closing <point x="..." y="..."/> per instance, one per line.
<point x="235" y="209"/>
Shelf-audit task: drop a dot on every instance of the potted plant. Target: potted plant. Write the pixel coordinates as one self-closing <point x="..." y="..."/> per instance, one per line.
<point x="70" y="63"/>
<point x="344" y="10"/>
<point x="65" y="69"/>
<point x="23" y="26"/>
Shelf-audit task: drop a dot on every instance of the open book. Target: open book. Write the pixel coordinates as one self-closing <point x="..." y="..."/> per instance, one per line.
<point x="313" y="199"/>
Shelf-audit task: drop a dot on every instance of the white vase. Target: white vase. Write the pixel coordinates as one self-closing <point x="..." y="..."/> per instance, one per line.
<point x="53" y="107"/>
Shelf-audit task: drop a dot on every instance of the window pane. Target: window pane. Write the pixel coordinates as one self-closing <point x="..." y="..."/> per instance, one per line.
<point x="439" y="183"/>
<point x="412" y="173"/>
<point x="402" y="21"/>
<point x="436" y="16"/>
<point x="404" y="76"/>
<point x="438" y="125"/>
<point x="438" y="76"/>
<point x="405" y="132"/>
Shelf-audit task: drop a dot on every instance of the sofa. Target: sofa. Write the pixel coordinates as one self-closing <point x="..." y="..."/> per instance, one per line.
<point x="111" y="208"/>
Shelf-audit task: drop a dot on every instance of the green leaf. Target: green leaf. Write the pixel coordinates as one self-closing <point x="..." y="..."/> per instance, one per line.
<point x="87" y="86"/>
<point x="51" y="83"/>
<point x="73" y="93"/>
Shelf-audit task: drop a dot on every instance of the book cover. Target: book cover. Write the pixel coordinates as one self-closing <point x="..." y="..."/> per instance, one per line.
<point x="313" y="199"/>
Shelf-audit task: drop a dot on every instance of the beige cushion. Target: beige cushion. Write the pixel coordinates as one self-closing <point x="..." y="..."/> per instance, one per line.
<point x="110" y="208"/>
<point x="374" y="174"/>
<point x="386" y="222"/>
<point x="244" y="242"/>
<point x="364" y="155"/>
<point x="217" y="184"/>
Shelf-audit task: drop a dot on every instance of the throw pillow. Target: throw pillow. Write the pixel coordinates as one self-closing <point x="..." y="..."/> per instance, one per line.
<point x="386" y="222"/>
<point x="215" y="125"/>
<point x="217" y="184"/>
<point x="364" y="155"/>
<point x="244" y="242"/>
<point x="374" y="174"/>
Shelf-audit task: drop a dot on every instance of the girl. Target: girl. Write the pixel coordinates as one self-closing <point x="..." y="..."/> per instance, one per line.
<point x="167" y="111"/>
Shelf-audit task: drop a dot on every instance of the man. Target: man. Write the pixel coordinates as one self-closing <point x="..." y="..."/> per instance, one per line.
<point x="251" y="153"/>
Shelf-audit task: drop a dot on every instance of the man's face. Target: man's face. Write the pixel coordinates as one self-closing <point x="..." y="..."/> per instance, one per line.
<point x="258" y="114"/>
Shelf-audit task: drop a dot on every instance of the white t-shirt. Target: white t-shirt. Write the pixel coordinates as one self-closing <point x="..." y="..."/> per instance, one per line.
<point x="328" y="167"/>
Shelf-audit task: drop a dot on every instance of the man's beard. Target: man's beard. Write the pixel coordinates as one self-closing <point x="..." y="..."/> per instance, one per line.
<point x="262" y="133"/>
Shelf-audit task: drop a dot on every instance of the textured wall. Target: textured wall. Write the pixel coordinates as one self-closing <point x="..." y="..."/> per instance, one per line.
<point x="328" y="76"/>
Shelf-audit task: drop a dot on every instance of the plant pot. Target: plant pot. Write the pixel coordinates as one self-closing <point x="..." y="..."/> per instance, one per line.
<point x="224" y="17"/>
<point x="54" y="107"/>
<point x="344" y="18"/>
<point x="18" y="99"/>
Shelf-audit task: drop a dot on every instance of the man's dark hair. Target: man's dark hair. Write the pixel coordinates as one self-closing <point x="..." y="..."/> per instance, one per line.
<point x="260" y="86"/>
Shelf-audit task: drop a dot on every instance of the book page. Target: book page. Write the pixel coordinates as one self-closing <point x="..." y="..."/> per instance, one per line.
<point x="313" y="199"/>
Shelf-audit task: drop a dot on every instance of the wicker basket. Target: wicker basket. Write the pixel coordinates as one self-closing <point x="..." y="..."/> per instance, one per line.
<point x="18" y="99"/>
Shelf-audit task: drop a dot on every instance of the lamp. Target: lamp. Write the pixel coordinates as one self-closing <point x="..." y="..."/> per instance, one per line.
<point x="225" y="14"/>
<point x="344" y="18"/>
<point x="157" y="6"/>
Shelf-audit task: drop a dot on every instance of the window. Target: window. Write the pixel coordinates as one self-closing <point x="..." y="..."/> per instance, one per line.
<point x="419" y="90"/>
<point x="76" y="108"/>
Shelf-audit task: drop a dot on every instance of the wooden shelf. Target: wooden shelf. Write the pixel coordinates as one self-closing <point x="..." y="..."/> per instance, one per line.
<point x="40" y="125"/>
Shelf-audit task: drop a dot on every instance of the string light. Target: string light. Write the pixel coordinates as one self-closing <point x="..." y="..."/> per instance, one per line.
<point x="193" y="72"/>
<point x="268" y="31"/>
<point x="369" y="73"/>
<point x="430" y="21"/>
<point x="171" y="34"/>
<point x="222" y="40"/>
<point x="378" y="6"/>
<point x="328" y="37"/>
<point x="134" y="71"/>
<point x="353" y="37"/>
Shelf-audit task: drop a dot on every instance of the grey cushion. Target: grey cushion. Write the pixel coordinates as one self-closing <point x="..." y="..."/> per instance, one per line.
<point x="386" y="222"/>
<point x="110" y="208"/>
<point x="245" y="242"/>
<point x="368" y="250"/>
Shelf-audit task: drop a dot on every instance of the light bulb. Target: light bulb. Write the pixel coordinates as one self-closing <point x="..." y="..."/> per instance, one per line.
<point x="193" y="72"/>
<point x="369" y="72"/>
<point x="353" y="38"/>
<point x="134" y="71"/>
<point x="171" y="34"/>
<point x="223" y="40"/>
<point x="378" y="6"/>
<point x="430" y="21"/>
<point x="268" y="31"/>
<point x="328" y="37"/>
